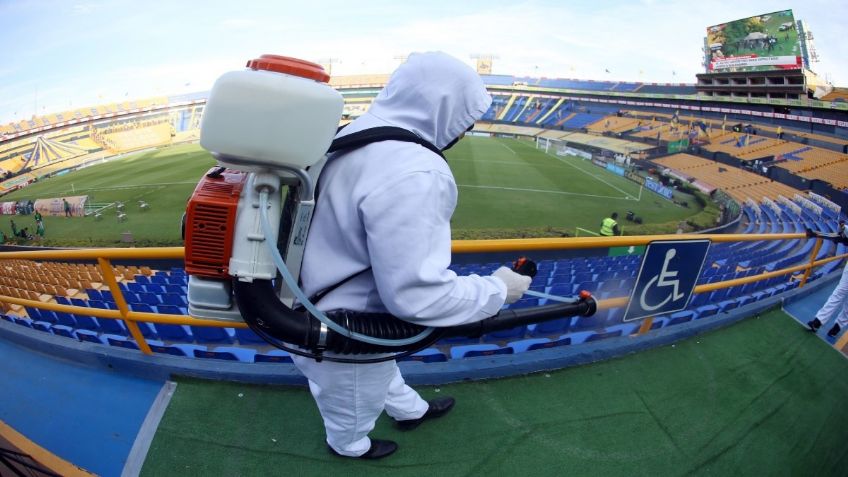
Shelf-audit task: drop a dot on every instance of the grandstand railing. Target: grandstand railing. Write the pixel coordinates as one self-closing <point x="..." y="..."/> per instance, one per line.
<point x="104" y="257"/>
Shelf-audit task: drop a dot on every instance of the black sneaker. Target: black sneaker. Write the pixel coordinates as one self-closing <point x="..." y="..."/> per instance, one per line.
<point x="378" y="450"/>
<point x="814" y="325"/>
<point x="438" y="408"/>
<point x="834" y="331"/>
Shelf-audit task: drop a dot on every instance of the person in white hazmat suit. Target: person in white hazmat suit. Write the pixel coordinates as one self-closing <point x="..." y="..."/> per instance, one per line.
<point x="838" y="299"/>
<point x="383" y="218"/>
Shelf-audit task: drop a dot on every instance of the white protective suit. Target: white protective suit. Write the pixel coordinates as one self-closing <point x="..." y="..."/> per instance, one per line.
<point x="838" y="299"/>
<point x="388" y="206"/>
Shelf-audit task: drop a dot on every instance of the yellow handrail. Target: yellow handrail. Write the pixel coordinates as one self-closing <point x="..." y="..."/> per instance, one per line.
<point x="104" y="256"/>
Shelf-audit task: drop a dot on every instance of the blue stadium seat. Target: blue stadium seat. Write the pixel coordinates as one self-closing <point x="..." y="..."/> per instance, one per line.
<point x="680" y="317"/>
<point x="149" y="299"/>
<point x="171" y="310"/>
<point x="121" y="342"/>
<point x="273" y="356"/>
<point x="173" y="332"/>
<point x="41" y="326"/>
<point x="86" y="322"/>
<point x="247" y="336"/>
<point x="23" y="322"/>
<point x="66" y="319"/>
<point x="227" y="353"/>
<point x="79" y="302"/>
<point x="516" y="332"/>
<point x="212" y="334"/>
<point x="112" y="326"/>
<point x="521" y="346"/>
<point x="428" y="355"/>
<point x="62" y="330"/>
<point x="604" y="335"/>
<point x="549" y="327"/>
<point x="706" y="310"/>
<point x="174" y="299"/>
<point x="62" y="300"/>
<point x="136" y="288"/>
<point x="90" y="336"/>
<point x="470" y="351"/>
<point x="578" y="337"/>
<point x="142" y="279"/>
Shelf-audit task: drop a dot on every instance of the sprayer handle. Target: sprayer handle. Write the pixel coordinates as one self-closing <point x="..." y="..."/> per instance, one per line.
<point x="524" y="266"/>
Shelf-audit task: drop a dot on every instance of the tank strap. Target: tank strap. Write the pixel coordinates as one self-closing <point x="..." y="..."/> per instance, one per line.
<point x="360" y="139"/>
<point x="378" y="134"/>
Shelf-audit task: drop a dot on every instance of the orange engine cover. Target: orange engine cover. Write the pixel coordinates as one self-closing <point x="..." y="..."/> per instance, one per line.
<point x="210" y="218"/>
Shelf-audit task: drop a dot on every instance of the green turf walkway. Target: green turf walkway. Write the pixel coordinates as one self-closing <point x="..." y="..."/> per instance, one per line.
<point x="762" y="397"/>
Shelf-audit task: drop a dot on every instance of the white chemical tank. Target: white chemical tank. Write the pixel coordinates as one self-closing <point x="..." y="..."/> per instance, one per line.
<point x="279" y="111"/>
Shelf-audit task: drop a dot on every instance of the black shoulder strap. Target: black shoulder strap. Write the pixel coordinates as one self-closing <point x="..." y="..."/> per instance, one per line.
<point x="381" y="133"/>
<point x="360" y="139"/>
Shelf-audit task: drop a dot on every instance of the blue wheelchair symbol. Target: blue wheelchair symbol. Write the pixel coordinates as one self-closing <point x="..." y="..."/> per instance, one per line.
<point x="668" y="274"/>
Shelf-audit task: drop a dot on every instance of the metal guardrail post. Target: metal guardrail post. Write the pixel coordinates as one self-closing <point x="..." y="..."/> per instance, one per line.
<point x="118" y="295"/>
<point x="813" y="256"/>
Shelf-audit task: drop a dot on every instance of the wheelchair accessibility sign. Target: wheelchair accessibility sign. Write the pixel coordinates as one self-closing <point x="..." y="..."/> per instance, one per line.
<point x="669" y="272"/>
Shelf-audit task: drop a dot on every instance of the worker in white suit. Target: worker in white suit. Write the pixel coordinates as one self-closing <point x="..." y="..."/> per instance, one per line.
<point x="380" y="242"/>
<point x="838" y="299"/>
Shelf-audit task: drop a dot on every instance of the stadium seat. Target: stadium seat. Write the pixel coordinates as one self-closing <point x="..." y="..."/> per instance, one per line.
<point x="66" y="319"/>
<point x="273" y="356"/>
<point x="523" y="345"/>
<point x="86" y="322"/>
<point x="121" y="342"/>
<point x="516" y="332"/>
<point x="174" y="299"/>
<point x="470" y="351"/>
<point x="169" y="332"/>
<point x="112" y="326"/>
<point x="171" y="310"/>
<point x="41" y="326"/>
<point x="227" y="353"/>
<point x="149" y="299"/>
<point x="62" y="330"/>
<point x="705" y="311"/>
<point x="212" y="334"/>
<point x="680" y="317"/>
<point x="604" y="335"/>
<point x="90" y="336"/>
<point x="428" y="355"/>
<point x="549" y="327"/>
<point x="247" y="336"/>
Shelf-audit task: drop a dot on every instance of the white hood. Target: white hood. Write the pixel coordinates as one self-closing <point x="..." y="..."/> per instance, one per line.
<point x="433" y="95"/>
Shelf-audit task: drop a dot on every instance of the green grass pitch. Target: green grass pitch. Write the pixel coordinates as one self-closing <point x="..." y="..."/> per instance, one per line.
<point x="507" y="188"/>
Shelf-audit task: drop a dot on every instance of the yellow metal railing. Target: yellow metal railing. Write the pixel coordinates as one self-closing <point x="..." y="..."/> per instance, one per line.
<point x="131" y="318"/>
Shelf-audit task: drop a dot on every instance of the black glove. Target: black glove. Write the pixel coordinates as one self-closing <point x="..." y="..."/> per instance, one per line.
<point x="524" y="266"/>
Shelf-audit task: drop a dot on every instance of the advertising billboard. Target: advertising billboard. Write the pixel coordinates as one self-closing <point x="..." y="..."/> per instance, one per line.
<point x="760" y="43"/>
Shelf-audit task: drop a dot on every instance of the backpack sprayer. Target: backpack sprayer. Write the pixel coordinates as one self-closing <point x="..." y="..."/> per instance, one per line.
<point x="270" y="127"/>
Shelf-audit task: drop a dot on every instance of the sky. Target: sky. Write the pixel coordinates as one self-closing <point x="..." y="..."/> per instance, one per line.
<point x="60" y="55"/>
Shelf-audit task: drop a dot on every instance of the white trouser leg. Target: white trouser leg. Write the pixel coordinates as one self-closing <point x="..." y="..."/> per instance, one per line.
<point x="350" y="398"/>
<point x="402" y="402"/>
<point x="836" y="299"/>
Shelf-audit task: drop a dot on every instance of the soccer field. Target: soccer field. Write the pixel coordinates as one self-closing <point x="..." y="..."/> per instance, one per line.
<point x="507" y="188"/>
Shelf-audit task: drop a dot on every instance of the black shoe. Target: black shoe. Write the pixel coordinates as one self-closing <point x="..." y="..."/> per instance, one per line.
<point x="378" y="450"/>
<point x="814" y="325"/>
<point x="438" y="408"/>
<point x="834" y="331"/>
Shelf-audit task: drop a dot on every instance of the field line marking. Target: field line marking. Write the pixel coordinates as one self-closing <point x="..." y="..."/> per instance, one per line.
<point x="585" y="172"/>
<point x="510" y="149"/>
<point x="137" y="186"/>
<point x="543" y="191"/>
